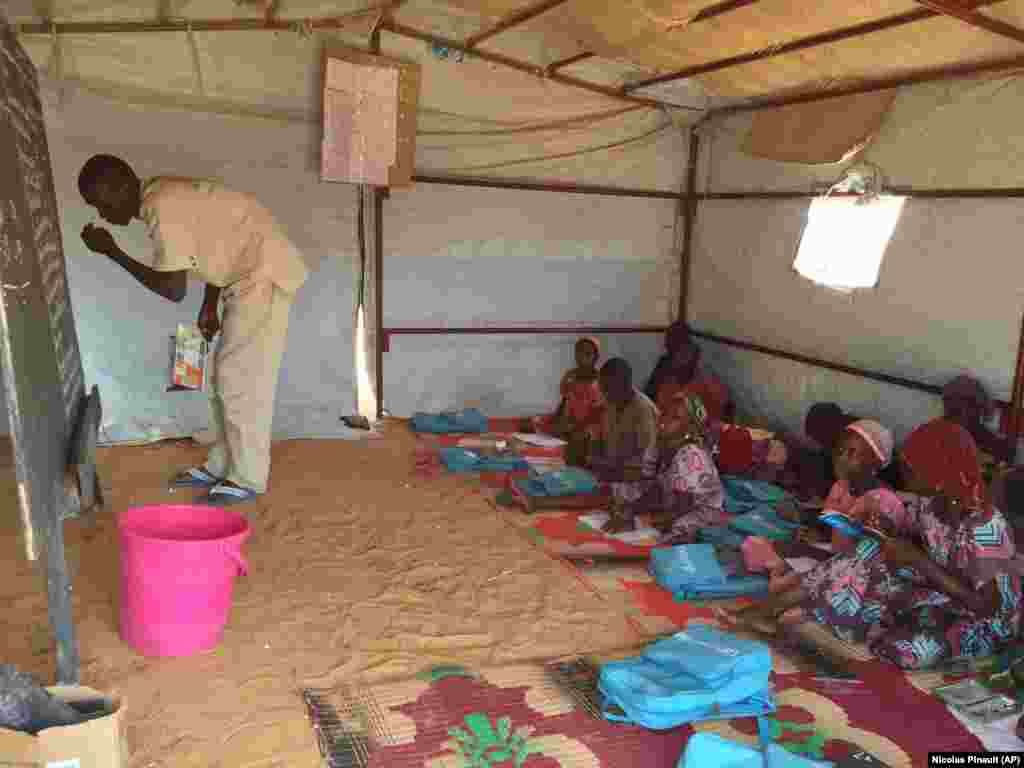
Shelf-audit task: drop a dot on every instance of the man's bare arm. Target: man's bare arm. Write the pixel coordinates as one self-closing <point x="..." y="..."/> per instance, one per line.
<point x="171" y="285"/>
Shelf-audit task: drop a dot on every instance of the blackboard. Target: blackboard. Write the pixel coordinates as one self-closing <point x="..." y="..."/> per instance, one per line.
<point x="41" y="362"/>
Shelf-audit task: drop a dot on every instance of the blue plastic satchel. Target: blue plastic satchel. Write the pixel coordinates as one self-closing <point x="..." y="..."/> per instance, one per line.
<point x="467" y="420"/>
<point x="686" y="566"/>
<point x="462" y="460"/>
<point x="698" y="674"/>
<point x="743" y="494"/>
<point x="704" y="750"/>
<point x="765" y="521"/>
<point x="694" y="572"/>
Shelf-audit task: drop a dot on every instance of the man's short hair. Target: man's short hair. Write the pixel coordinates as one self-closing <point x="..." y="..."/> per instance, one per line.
<point x="98" y="166"/>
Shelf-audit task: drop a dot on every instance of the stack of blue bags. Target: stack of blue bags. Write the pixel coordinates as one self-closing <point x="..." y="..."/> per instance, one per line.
<point x="450" y="422"/>
<point x="463" y="460"/>
<point x="568" y="481"/>
<point x="753" y="502"/>
<point x="694" y="572"/>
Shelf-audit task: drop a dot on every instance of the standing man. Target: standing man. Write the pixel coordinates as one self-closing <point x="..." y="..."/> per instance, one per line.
<point x="233" y="244"/>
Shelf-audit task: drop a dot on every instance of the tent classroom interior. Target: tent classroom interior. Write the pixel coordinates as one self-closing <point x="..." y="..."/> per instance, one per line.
<point x="581" y="169"/>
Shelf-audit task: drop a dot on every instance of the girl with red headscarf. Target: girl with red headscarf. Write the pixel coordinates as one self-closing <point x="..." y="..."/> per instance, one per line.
<point x="943" y="587"/>
<point x="963" y="598"/>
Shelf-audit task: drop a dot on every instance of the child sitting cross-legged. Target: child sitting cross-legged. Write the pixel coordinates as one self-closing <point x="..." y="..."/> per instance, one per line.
<point x="941" y="586"/>
<point x="578" y="417"/>
<point x="681" y="490"/>
<point x="864" y="448"/>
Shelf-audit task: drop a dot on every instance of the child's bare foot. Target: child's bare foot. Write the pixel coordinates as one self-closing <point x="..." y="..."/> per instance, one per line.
<point x="753" y="617"/>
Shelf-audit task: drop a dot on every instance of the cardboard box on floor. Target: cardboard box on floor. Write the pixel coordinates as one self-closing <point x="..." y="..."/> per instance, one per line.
<point x="97" y="743"/>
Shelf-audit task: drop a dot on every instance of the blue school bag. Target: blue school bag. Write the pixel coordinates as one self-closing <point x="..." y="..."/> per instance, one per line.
<point x="704" y="750"/>
<point x="466" y="420"/>
<point x="686" y="566"/>
<point x="698" y="674"/>
<point x="743" y="495"/>
<point x="765" y="521"/>
<point x="721" y="535"/>
<point x="462" y="460"/>
<point x="693" y="572"/>
<point x="734" y="586"/>
<point x="568" y="481"/>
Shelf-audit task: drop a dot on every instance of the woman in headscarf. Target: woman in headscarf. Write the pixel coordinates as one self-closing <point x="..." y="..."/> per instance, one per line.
<point x="941" y="587"/>
<point x="962" y="595"/>
<point x="680" y="369"/>
<point x="682" y="491"/>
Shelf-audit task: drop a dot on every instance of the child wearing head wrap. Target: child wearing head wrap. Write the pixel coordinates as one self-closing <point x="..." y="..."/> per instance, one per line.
<point x="943" y="588"/>
<point x="863" y="448"/>
<point x="964" y="598"/>
<point x="683" y="492"/>
<point x="581" y="405"/>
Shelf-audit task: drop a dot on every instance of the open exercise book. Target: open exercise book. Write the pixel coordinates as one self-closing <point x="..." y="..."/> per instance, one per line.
<point x="641" y="535"/>
<point x="850" y="527"/>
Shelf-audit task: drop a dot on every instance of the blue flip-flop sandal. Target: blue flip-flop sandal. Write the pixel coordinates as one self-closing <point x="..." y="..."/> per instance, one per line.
<point x="196" y="477"/>
<point x="222" y="495"/>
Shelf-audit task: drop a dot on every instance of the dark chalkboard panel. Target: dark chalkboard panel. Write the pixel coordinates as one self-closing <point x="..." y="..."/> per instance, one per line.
<point x="53" y="446"/>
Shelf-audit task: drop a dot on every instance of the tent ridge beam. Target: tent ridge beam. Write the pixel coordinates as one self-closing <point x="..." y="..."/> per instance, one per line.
<point x="718" y="9"/>
<point x="522" y="66"/>
<point x="995" y="193"/>
<point x="936" y="74"/>
<point x="970" y="16"/>
<point x="568" y="61"/>
<point x="546" y="186"/>
<point x="812" y="41"/>
<point x="512" y="20"/>
<point x="197" y="25"/>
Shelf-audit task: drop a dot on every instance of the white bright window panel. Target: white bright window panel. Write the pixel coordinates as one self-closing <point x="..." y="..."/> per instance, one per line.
<point x="845" y="240"/>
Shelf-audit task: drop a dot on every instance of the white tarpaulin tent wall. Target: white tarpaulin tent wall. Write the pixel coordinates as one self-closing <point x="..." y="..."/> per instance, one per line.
<point x="243" y="106"/>
<point x="452" y="255"/>
<point x="951" y="284"/>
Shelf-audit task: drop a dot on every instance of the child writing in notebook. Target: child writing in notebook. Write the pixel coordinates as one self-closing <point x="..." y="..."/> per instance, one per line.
<point x="864" y="448"/>
<point x="942" y="586"/>
<point x="682" y="491"/>
<point x="577" y="420"/>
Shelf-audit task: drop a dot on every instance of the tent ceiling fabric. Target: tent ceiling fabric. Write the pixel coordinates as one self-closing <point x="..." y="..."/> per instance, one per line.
<point x="276" y="73"/>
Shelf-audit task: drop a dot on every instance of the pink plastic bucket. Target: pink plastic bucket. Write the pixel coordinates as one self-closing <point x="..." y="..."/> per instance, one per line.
<point x="178" y="570"/>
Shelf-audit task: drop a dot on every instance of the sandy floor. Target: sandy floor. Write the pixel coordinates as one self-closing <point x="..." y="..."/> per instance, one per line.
<point x="357" y="568"/>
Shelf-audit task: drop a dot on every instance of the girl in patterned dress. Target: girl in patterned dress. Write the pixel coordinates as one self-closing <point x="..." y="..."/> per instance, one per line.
<point x="939" y="588"/>
<point x="863" y="450"/>
<point x="682" y="490"/>
<point x="961" y="596"/>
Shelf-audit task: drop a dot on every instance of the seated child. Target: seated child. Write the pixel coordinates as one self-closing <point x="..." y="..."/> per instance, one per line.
<point x="682" y="490"/>
<point x="941" y="586"/>
<point x="581" y="406"/>
<point x="864" y="448"/>
<point x="629" y="426"/>
<point x="808" y="472"/>
<point x="960" y="594"/>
